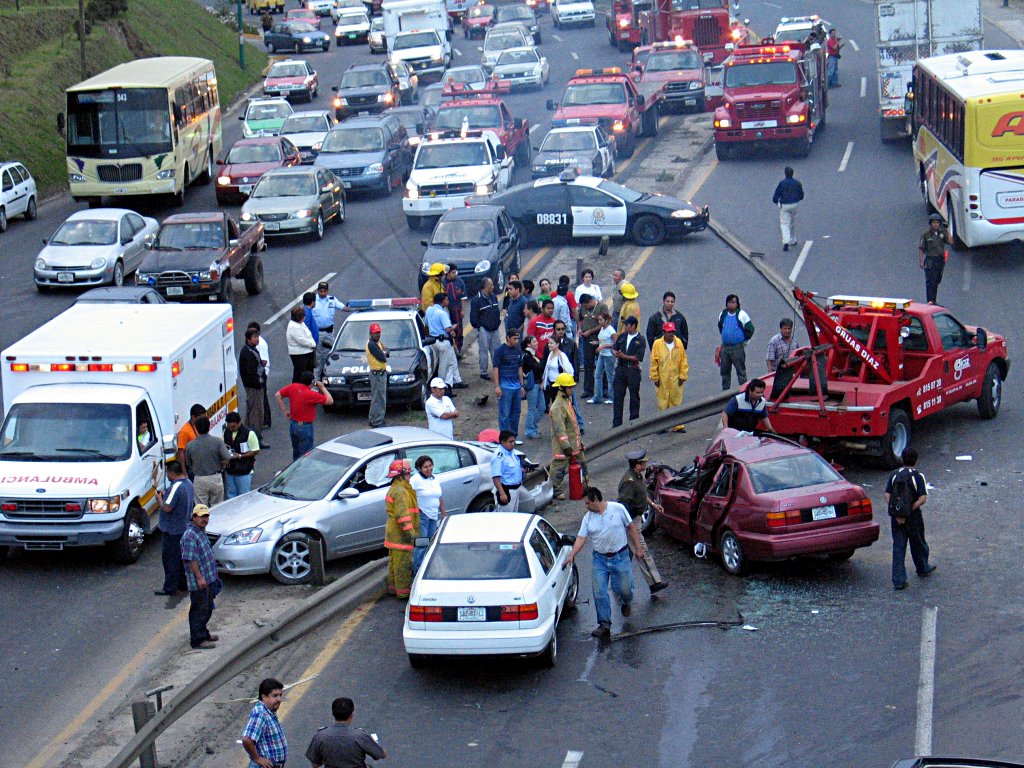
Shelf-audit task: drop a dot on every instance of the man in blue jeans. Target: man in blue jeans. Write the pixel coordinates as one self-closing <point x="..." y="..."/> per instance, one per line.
<point x="175" y="512"/>
<point x="906" y="491"/>
<point x="301" y="410"/>
<point x="508" y="377"/>
<point x="611" y="528"/>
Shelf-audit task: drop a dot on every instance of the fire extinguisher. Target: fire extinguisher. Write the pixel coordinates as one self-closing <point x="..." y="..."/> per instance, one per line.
<point x="575" y="480"/>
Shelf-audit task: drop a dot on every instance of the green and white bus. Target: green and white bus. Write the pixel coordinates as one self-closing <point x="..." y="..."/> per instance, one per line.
<point x="147" y="127"/>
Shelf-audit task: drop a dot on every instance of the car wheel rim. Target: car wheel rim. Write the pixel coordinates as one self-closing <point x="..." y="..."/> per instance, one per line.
<point x="136" y="537"/>
<point x="320" y="225"/>
<point x="292" y="560"/>
<point x="554" y="646"/>
<point x="574" y="586"/>
<point x="899" y="438"/>
<point x="645" y="518"/>
<point x="648" y="231"/>
<point x="731" y="552"/>
<point x="500" y="282"/>
<point x="118" y="275"/>
<point x="997" y="390"/>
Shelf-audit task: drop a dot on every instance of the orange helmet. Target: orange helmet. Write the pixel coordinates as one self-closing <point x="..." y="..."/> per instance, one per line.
<point x="374" y="327"/>
<point x="399" y="467"/>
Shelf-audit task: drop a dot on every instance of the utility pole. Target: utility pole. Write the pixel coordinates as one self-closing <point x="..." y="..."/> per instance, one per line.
<point x="81" y="36"/>
<point x="241" y="36"/>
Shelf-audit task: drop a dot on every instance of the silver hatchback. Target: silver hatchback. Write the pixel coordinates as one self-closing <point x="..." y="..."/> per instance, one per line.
<point x="333" y="497"/>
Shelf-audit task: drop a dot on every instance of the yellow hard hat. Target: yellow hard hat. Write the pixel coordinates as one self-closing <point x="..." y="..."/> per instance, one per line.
<point x="437" y="268"/>
<point x="628" y="291"/>
<point x="565" y="380"/>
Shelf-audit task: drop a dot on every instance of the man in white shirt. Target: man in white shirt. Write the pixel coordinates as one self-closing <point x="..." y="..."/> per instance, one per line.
<point x="441" y="412"/>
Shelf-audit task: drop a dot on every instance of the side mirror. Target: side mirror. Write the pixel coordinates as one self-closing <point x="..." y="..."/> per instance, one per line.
<point x="326" y="342"/>
<point x="220" y="161"/>
<point x="566" y="540"/>
<point x="908" y="102"/>
<point x="640" y="99"/>
<point x="241" y="118"/>
<point x="424" y="242"/>
<point x="501" y="153"/>
<point x="170" y="444"/>
<point x="150" y="239"/>
<point x="233" y="243"/>
<point x="46" y="241"/>
<point x="334" y="88"/>
<point x="126" y="239"/>
<point x="347" y="493"/>
<point x="518" y="123"/>
<point x="421" y="542"/>
<point x="551" y="105"/>
<point x="326" y="188"/>
<point x="981" y="339"/>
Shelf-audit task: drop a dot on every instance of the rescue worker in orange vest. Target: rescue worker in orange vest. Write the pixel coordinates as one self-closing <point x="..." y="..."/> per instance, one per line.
<point x="433" y="286"/>
<point x="669" y="368"/>
<point x="402" y="528"/>
<point x="566" y="441"/>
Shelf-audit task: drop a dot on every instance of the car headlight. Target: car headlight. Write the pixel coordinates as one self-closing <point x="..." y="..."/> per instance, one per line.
<point x="484" y="265"/>
<point x="484" y="189"/>
<point x="341" y="102"/>
<point x="723" y="123"/>
<point x="337" y="380"/>
<point x="539" y="168"/>
<point x="307" y="39"/>
<point x="316" y="147"/>
<point x="143" y="278"/>
<point x="223" y="180"/>
<point x="412" y="191"/>
<point x="618" y="126"/>
<point x="402" y="378"/>
<point x="97" y="263"/>
<point x="683" y="214"/>
<point x="696" y="85"/>
<point x="437" y="59"/>
<point x="207" y="275"/>
<point x="168" y="173"/>
<point x="794" y="119"/>
<point x="41" y="264"/>
<point x="375" y="168"/>
<point x="623" y="23"/>
<point x="75" y="177"/>
<point x="246" y="216"/>
<point x="244" y="536"/>
<point x="103" y="506"/>
<point x="303" y="213"/>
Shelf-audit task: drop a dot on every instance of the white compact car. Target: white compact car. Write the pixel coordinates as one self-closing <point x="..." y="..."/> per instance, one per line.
<point x="353" y="26"/>
<point x="18" y="193"/>
<point x="566" y="13"/>
<point x="522" y="67"/>
<point x="491" y="584"/>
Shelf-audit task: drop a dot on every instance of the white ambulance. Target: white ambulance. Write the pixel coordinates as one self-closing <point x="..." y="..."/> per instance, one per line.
<point x="75" y="467"/>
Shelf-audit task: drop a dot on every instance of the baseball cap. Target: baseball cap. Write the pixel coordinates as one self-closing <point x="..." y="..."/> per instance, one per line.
<point x="437" y="383"/>
<point x="322" y="284"/>
<point x="375" y="328"/>
<point x="668" y="327"/>
<point x="201" y="510"/>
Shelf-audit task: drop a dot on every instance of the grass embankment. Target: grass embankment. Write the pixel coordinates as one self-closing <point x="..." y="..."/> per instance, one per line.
<point x="39" y="58"/>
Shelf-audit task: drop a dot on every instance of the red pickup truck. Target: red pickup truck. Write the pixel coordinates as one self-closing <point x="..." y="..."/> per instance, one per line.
<point x="626" y="109"/>
<point x="482" y="109"/>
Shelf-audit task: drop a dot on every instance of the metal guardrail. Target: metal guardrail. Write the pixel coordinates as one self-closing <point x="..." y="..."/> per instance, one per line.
<point x="343" y="595"/>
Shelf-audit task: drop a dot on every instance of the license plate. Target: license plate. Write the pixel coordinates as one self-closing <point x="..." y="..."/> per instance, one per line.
<point x="175" y="290"/>
<point x="759" y="124"/>
<point x="823" y="513"/>
<point x="435" y="203"/>
<point x="245" y="189"/>
<point x="121" y="190"/>
<point x="363" y="396"/>
<point x="352" y="35"/>
<point x="689" y="102"/>
<point x="347" y="184"/>
<point x="625" y="35"/>
<point x="271" y="226"/>
<point x="472" y="614"/>
<point x="65" y="277"/>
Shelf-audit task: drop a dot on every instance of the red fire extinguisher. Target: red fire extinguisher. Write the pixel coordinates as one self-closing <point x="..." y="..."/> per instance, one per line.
<point x="575" y="480"/>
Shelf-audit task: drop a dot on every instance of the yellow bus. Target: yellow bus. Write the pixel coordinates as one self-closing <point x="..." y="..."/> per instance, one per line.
<point x="147" y="127"/>
<point x="968" y="131"/>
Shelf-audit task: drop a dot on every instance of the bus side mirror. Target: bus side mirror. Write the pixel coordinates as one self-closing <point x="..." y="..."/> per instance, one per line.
<point x="908" y="103"/>
<point x="981" y="339"/>
<point x="551" y="105"/>
<point x="178" y="118"/>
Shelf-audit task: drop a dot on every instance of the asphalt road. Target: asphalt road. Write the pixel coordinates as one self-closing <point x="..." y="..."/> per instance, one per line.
<point x="824" y="688"/>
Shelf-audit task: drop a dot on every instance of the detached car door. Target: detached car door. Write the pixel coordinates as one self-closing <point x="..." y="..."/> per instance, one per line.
<point x="595" y="213"/>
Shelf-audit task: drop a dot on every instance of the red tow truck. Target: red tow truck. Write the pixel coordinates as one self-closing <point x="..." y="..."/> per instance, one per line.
<point x="708" y="23"/>
<point x="483" y="109"/>
<point x="623" y="22"/>
<point x="626" y="109"/>
<point x="874" y="366"/>
<point x="772" y="94"/>
<point x="680" y="65"/>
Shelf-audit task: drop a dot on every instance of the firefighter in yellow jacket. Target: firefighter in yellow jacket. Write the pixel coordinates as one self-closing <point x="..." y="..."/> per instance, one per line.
<point x="433" y="286"/>
<point x="402" y="528"/>
<point x="566" y="441"/>
<point x="630" y="306"/>
<point x="669" y="367"/>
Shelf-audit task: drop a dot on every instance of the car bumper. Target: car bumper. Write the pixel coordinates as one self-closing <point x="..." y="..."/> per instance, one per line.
<point x="363" y="182"/>
<point x="680" y="227"/>
<point x="750" y="135"/>
<point x="232" y="193"/>
<point x="55" y="536"/>
<point x="284" y="227"/>
<point x="52" y="277"/>
<point x="685" y="98"/>
<point x="244" y="559"/>
<point x="580" y="19"/>
<point x="349" y="110"/>
<point x="483" y="642"/>
<point x="350" y="37"/>
<point x="358" y="392"/>
<point x="821" y="541"/>
<point x="433" y="206"/>
<point x="288" y="93"/>
<point x="85" y="190"/>
<point x="192" y="291"/>
<point x="520" y="81"/>
<point x="316" y="45"/>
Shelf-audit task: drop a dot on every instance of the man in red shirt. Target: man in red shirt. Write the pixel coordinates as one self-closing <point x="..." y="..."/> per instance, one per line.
<point x="542" y="327"/>
<point x="833" y="45"/>
<point x="301" y="410"/>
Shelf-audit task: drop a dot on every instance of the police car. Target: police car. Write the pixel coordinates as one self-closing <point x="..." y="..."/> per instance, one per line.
<point x="412" y="362"/>
<point x="585" y="147"/>
<point x="569" y="206"/>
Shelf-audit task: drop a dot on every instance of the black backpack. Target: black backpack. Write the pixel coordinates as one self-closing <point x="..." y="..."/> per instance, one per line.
<point x="901" y="497"/>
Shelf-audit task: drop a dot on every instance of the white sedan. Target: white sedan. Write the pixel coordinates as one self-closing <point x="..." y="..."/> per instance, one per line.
<point x="491" y="584"/>
<point x="521" y="66"/>
<point x="471" y="76"/>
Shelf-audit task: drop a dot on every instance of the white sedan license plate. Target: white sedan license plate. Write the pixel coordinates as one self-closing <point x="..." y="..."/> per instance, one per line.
<point x="823" y="513"/>
<point x="175" y="290"/>
<point x="245" y="189"/>
<point x="363" y="396"/>
<point x="271" y="226"/>
<point x="472" y="614"/>
<point x="65" y="277"/>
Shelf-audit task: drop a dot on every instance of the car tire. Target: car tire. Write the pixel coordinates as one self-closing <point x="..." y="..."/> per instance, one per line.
<point x="420" y="403"/>
<point x="896" y="438"/>
<point x="31" y="211"/>
<point x="549" y="657"/>
<point x="290" y="561"/>
<point x="3" y="219"/>
<point x="648" y="521"/>
<point x="413" y="222"/>
<point x="627" y="147"/>
<point x="723" y="151"/>
<point x="297" y="49"/>
<point x="802" y="147"/>
<point x="731" y="552"/>
<point x="991" y="392"/>
<point x="117" y="279"/>
<point x="340" y="217"/>
<point x="573" y="590"/>
<point x="178" y="198"/>
<point x="954" y="231"/>
<point x="389" y="186"/>
<point x="270" y="47"/>
<point x="207" y="175"/>
<point x="42" y="288"/>
<point x="224" y="293"/>
<point x="610" y="173"/>
<point x="327" y="46"/>
<point x="127" y="548"/>
<point x="482" y="503"/>
<point x="417" y="660"/>
<point x="254" y="275"/>
<point x="648" y="230"/>
<point x="318" y="231"/>
<point x="537" y="39"/>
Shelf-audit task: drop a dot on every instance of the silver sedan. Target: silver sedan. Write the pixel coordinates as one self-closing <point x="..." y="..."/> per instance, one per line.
<point x="333" y="498"/>
<point x="291" y="201"/>
<point x="95" y="247"/>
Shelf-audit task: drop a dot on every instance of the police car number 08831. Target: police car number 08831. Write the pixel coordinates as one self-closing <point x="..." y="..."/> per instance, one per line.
<point x="552" y="218"/>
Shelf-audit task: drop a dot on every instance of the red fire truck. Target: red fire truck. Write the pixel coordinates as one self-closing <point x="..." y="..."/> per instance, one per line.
<point x="708" y="23"/>
<point x="874" y="366"/>
<point x="623" y="22"/>
<point x="772" y="93"/>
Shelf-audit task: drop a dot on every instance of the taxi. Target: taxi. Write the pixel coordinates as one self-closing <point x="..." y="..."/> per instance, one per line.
<point x="291" y="79"/>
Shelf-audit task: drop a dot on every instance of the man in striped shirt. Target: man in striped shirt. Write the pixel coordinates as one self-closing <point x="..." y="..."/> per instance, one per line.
<point x="263" y="737"/>
<point x="782" y="345"/>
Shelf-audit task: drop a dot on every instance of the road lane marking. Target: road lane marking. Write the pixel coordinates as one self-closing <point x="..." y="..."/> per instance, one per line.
<point x="457" y="51"/>
<point x="863" y="87"/>
<point x="926" y="682"/>
<point x="800" y="261"/>
<point x="557" y="38"/>
<point x="533" y="128"/>
<point x="846" y="156"/>
<point x="639" y="263"/>
<point x="533" y="261"/>
<point x="853" y="44"/>
<point x="773" y="5"/>
<point x="697" y="182"/>
<point x="91" y="710"/>
<point x="575" y="56"/>
<point x="480" y="48"/>
<point x="589" y="666"/>
<point x="298" y="299"/>
<point x="572" y="759"/>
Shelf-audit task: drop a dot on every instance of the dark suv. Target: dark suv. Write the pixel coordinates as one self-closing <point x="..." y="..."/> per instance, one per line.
<point x="481" y="241"/>
<point x="367" y="88"/>
<point x="369" y="152"/>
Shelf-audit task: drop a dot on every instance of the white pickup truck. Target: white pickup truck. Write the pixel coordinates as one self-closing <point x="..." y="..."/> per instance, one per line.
<point x="449" y="168"/>
<point x="426" y="51"/>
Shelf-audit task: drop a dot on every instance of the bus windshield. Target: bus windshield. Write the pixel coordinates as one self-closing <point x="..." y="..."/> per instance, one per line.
<point x="118" y="123"/>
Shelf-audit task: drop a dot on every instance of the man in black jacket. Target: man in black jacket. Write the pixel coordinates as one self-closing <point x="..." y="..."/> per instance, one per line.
<point x="254" y="378"/>
<point x="667" y="314"/>
<point x="485" y="317"/>
<point x="788" y="195"/>
<point x="628" y="351"/>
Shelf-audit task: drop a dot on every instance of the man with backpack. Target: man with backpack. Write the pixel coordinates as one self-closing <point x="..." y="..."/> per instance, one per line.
<point x="905" y="493"/>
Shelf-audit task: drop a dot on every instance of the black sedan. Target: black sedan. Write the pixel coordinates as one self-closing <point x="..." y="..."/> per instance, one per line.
<point x="481" y="241"/>
<point x="296" y="36"/>
<point x="568" y="206"/>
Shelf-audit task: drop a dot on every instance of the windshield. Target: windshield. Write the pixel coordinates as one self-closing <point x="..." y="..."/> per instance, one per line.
<point x="627" y="194"/>
<point x="67" y="432"/>
<point x="480" y="11"/>
<point x="501" y="42"/>
<point x="311" y="124"/>
<point x="791" y="472"/>
<point x="594" y="93"/>
<point x="287" y="70"/>
<point x="353" y="140"/>
<point x="569" y="141"/>
<point x="268" y="112"/>
<point x="451" y="155"/>
<point x="450" y="118"/>
<point x="518" y="57"/>
<point x="396" y="334"/>
<point x="463" y="234"/>
<point x="126" y="122"/>
<point x="285" y="185"/>
<point x="478" y="561"/>
<point x="377" y="24"/>
<point x="415" y="40"/>
<point x="351" y="17"/>
<point x="670" y="60"/>
<point x="411" y="118"/>
<point x="514" y="13"/>
<point x="464" y="75"/>
<point x="431" y="97"/>
<point x="694" y="5"/>
<point x="362" y="78"/>
<point x="82" y="232"/>
<point x="254" y="153"/>
<point x="190" y="235"/>
<point x="301" y="27"/>
<point x="767" y="73"/>
<point x="310" y="477"/>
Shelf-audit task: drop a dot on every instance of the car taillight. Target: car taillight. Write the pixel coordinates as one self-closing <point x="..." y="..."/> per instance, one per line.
<point x="782" y="519"/>
<point x="519" y="612"/>
<point x="425" y="613"/>
<point x="859" y="507"/>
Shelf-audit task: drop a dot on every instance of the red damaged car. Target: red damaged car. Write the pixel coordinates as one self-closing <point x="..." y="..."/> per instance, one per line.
<point x="247" y="161"/>
<point x="761" y="498"/>
<point x="476" y="20"/>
